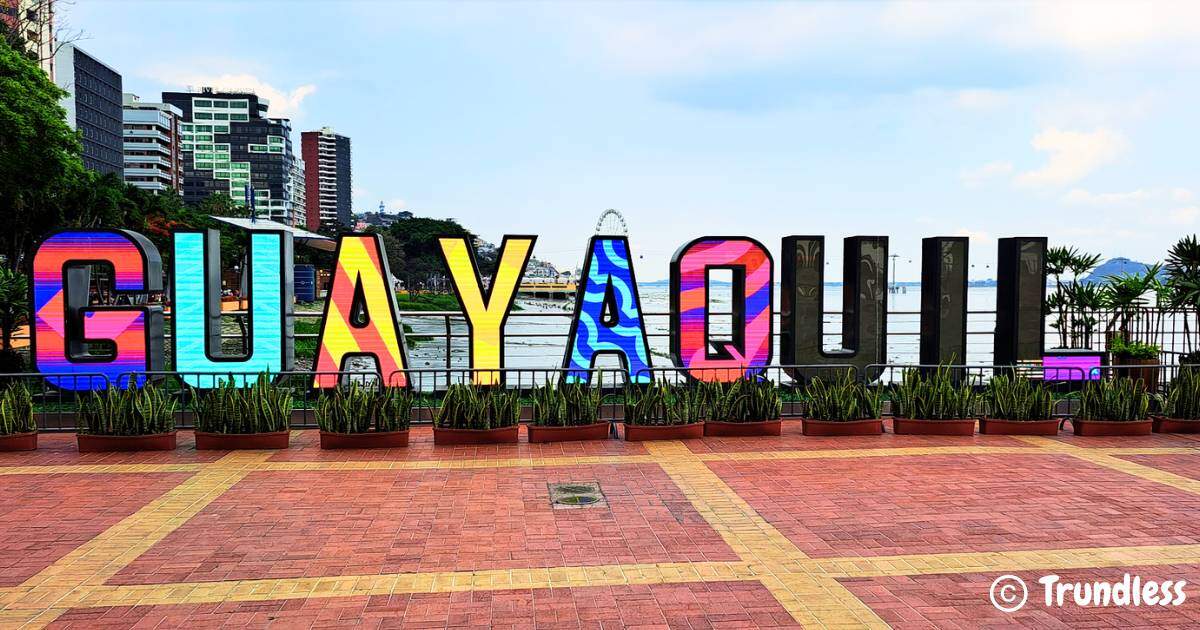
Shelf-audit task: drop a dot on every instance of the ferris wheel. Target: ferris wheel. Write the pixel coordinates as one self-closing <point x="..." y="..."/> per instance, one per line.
<point x="612" y="222"/>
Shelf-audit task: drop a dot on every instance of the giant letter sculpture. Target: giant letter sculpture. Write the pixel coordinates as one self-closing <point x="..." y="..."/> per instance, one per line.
<point x="361" y="319"/>
<point x="864" y="303"/>
<point x="944" y="300"/>
<point x="608" y="314"/>
<point x="753" y="281"/>
<point x="487" y="311"/>
<point x="64" y="323"/>
<point x="196" y="294"/>
<point x="1020" y="294"/>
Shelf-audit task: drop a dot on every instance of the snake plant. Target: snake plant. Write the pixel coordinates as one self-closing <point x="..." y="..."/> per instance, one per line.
<point x="260" y="408"/>
<point x="1120" y="399"/>
<point x="841" y="399"/>
<point x="934" y="395"/>
<point x="1182" y="400"/>
<point x="145" y="410"/>
<point x="743" y="400"/>
<point x="659" y="404"/>
<point x="16" y="410"/>
<point x="1010" y="397"/>
<point x="470" y="407"/>
<point x="357" y="408"/>
<point x="571" y="404"/>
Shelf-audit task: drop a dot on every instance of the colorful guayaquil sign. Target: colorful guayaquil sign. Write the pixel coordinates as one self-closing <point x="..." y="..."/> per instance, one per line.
<point x="82" y="347"/>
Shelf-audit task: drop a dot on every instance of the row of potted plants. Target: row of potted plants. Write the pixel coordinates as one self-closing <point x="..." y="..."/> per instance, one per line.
<point x="932" y="402"/>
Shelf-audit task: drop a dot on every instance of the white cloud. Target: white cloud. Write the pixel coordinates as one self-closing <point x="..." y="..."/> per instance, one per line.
<point x="283" y="103"/>
<point x="981" y="99"/>
<point x="1084" y="197"/>
<point x="1073" y="155"/>
<point x="975" y="176"/>
<point x="1184" y="216"/>
<point x="975" y="235"/>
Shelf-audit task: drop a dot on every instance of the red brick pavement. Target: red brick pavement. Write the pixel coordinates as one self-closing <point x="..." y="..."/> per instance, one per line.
<point x="304" y="524"/>
<point x="955" y="503"/>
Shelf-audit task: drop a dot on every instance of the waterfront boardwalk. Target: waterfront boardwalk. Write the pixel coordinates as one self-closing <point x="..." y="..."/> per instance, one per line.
<point x="784" y="531"/>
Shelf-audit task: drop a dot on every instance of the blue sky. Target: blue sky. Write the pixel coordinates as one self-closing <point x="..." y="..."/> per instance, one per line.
<point x="1073" y="121"/>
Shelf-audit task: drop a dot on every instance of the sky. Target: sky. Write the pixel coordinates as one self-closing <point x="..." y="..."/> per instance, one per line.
<point x="1075" y="121"/>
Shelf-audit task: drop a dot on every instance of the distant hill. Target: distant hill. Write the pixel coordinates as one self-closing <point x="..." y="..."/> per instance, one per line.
<point x="1116" y="267"/>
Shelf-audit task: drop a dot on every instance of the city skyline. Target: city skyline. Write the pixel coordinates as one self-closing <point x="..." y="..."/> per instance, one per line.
<point x="767" y="120"/>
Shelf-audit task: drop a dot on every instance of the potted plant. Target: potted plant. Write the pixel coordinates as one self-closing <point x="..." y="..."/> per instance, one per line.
<point x="133" y="419"/>
<point x="664" y="412"/>
<point x="841" y="406"/>
<point x="346" y="417"/>
<point x="1117" y="406"/>
<point x="567" y="413"/>
<point x="18" y="431"/>
<point x="229" y="417"/>
<point x="1127" y="352"/>
<point x="1181" y="404"/>
<point x="1017" y="406"/>
<point x="745" y="407"/>
<point x="934" y="402"/>
<point x="473" y="415"/>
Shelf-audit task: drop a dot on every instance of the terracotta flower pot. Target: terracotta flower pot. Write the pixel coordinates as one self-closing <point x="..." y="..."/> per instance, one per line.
<point x="1163" y="424"/>
<point x="370" y="439"/>
<point x="503" y="435"/>
<point x="996" y="426"/>
<point x="241" y="441"/>
<point x="19" y="441"/>
<point x="715" y="428"/>
<point x="107" y="443"/>
<point x="1091" y="428"/>
<point x="921" y="426"/>
<point x="639" y="433"/>
<point x="829" y="428"/>
<point x="594" y="431"/>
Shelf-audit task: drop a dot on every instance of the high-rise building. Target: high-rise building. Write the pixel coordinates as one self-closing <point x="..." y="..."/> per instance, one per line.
<point x="296" y="185"/>
<point x="33" y="21"/>
<point x="93" y="105"/>
<point x="327" y="179"/>
<point x="230" y="144"/>
<point x="153" y="153"/>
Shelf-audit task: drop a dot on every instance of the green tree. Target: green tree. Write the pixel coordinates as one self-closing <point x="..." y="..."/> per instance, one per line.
<point x="14" y="304"/>
<point x="41" y="174"/>
<point x="419" y="259"/>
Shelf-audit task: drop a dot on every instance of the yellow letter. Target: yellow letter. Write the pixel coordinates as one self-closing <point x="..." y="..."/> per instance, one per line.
<point x="486" y="314"/>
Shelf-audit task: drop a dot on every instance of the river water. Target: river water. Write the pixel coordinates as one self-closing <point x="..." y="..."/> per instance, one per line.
<point x="550" y="322"/>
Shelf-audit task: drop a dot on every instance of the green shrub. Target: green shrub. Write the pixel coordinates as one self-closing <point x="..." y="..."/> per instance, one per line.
<point x="743" y="400"/>
<point x="260" y="408"/>
<point x="16" y="410"/>
<point x="470" y="407"/>
<point x="1125" y="349"/>
<point x="1182" y="400"/>
<point x="1122" y="399"/>
<point x="841" y="399"/>
<point x="659" y="404"/>
<point x="572" y="404"/>
<point x="1014" y="398"/>
<point x="144" y="410"/>
<point x="934" y="395"/>
<point x="357" y="408"/>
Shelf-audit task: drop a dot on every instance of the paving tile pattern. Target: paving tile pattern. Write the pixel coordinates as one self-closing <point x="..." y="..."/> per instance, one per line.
<point x="902" y="531"/>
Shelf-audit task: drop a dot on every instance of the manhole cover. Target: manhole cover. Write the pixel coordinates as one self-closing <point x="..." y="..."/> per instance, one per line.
<point x="576" y="495"/>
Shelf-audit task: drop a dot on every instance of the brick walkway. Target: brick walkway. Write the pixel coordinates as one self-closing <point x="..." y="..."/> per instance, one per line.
<point x="750" y="532"/>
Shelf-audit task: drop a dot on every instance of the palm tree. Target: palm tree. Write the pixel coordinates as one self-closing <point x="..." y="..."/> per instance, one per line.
<point x="1183" y="280"/>
<point x="1074" y="306"/>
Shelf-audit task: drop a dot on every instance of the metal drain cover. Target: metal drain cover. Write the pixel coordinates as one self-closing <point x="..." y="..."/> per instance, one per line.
<point x="575" y="494"/>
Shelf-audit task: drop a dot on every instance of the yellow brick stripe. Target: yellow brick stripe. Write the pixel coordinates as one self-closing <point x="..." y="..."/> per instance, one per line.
<point x="395" y="583"/>
<point x="812" y="600"/>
